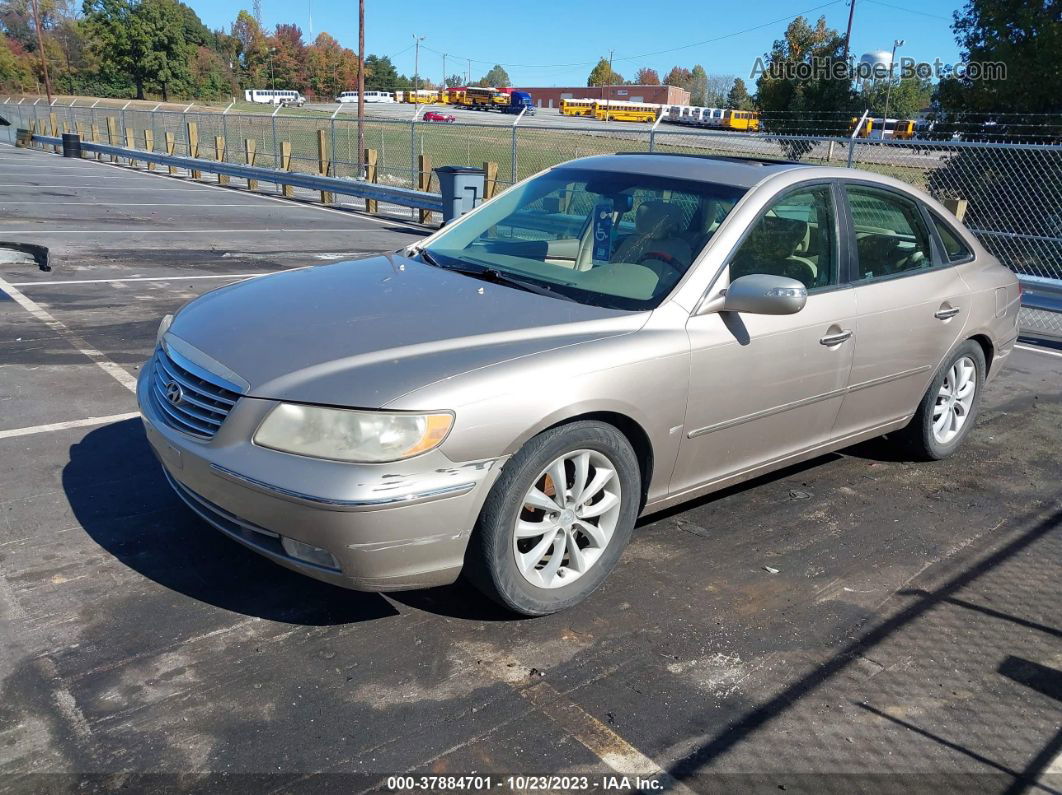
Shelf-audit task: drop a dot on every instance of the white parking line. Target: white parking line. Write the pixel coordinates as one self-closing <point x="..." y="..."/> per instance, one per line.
<point x="1034" y="349"/>
<point x="158" y="231"/>
<point x="142" y="279"/>
<point x="39" y="312"/>
<point x="62" y="426"/>
<point x="4" y="203"/>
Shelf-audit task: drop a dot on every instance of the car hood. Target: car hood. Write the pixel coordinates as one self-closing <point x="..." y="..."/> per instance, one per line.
<point x="364" y="333"/>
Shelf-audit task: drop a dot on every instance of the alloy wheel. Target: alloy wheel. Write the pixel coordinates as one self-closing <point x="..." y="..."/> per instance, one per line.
<point x="954" y="400"/>
<point x="567" y="519"/>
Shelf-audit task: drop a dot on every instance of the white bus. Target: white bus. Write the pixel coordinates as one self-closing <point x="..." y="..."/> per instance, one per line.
<point x="271" y="96"/>
<point x="370" y="96"/>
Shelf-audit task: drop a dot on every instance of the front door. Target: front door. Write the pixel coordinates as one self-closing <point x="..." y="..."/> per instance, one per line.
<point x="764" y="388"/>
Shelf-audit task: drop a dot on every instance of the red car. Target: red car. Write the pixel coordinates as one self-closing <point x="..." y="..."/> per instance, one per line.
<point x="434" y="115"/>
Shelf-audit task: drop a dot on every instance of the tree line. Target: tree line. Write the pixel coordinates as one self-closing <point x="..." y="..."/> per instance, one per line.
<point x="161" y="48"/>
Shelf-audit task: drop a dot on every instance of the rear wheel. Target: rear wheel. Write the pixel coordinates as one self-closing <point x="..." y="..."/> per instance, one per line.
<point x="557" y="519"/>
<point x="949" y="408"/>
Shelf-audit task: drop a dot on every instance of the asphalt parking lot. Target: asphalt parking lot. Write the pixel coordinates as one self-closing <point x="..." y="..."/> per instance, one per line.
<point x="860" y="622"/>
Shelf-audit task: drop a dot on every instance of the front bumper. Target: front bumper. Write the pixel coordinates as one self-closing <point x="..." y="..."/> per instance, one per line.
<point x="387" y="526"/>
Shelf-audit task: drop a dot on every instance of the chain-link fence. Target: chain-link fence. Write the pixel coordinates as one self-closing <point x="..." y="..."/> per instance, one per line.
<point x="1012" y="191"/>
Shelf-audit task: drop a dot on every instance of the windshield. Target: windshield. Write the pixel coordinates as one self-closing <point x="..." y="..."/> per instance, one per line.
<point x="602" y="238"/>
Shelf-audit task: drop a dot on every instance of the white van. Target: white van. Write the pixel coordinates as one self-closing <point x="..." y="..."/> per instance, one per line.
<point x="347" y="96"/>
<point x="270" y="96"/>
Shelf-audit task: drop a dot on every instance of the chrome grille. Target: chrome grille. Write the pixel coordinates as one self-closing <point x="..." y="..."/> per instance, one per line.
<point x="189" y="398"/>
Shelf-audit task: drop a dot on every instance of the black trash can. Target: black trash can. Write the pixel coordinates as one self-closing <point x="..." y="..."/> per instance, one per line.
<point x="71" y="145"/>
<point x="461" y="188"/>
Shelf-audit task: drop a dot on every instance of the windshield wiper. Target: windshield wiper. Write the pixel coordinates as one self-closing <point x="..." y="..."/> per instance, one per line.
<point x="428" y="258"/>
<point x="496" y="276"/>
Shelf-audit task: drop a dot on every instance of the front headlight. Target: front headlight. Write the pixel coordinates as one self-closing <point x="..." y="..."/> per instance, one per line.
<point x="164" y="326"/>
<point x="348" y="435"/>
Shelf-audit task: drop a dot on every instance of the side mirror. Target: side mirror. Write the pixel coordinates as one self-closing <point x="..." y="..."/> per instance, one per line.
<point x="759" y="294"/>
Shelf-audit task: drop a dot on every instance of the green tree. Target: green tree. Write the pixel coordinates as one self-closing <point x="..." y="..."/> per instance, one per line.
<point x="739" y="98"/>
<point x="698" y="86"/>
<point x="14" y="69"/>
<point x="380" y="74"/>
<point x="604" y="75"/>
<point x="455" y="81"/>
<point x="252" y="51"/>
<point x="908" y="96"/>
<point x="496" y="77"/>
<point x="646" y="77"/>
<point x="289" y="57"/>
<point x="142" y="41"/>
<point x="679" y="77"/>
<point x="1026" y="37"/>
<point x="211" y="77"/>
<point x="802" y="85"/>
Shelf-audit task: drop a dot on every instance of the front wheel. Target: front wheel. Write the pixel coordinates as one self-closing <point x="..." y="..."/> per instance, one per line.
<point x="556" y="521"/>
<point x="949" y="408"/>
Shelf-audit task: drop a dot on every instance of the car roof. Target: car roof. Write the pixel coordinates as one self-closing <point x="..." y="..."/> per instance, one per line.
<point x="743" y="172"/>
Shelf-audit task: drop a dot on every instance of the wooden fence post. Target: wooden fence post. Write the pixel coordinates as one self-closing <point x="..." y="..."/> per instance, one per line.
<point x="424" y="182"/>
<point x="957" y="207"/>
<point x="81" y="133"/>
<point x="322" y="164"/>
<point x="219" y="153"/>
<point x="96" y="138"/>
<point x="370" y="176"/>
<point x="490" y="180"/>
<point x="170" y="144"/>
<point x="248" y="150"/>
<point x="112" y="135"/>
<point x="149" y="146"/>
<point x="54" y="127"/>
<point x="193" y="146"/>
<point x="285" y="165"/>
<point x="130" y="143"/>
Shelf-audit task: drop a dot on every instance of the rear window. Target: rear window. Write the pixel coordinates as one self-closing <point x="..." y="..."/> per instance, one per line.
<point x="953" y="245"/>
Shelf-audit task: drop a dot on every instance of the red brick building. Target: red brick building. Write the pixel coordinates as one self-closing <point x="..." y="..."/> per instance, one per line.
<point x="551" y="96"/>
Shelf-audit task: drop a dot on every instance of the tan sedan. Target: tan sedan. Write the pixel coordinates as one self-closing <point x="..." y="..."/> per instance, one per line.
<point x="611" y="337"/>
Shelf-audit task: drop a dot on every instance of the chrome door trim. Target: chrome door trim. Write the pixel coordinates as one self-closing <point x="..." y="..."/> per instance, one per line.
<point x="796" y="404"/>
<point x="886" y="378"/>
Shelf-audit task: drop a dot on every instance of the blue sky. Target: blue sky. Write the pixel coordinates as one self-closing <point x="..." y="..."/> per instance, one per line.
<point x="556" y="42"/>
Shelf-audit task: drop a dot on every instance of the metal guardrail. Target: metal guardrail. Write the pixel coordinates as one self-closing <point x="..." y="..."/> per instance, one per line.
<point x="372" y="191"/>
<point x="1042" y="294"/>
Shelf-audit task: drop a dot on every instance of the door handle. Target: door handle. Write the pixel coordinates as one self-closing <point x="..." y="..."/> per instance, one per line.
<point x="835" y="339"/>
<point x="946" y="314"/>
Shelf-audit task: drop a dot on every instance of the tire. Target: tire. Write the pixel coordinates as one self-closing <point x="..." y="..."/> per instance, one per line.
<point x="550" y="576"/>
<point x="920" y="437"/>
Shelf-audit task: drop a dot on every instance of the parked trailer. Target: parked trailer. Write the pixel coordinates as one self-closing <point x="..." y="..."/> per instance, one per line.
<point x="505" y="101"/>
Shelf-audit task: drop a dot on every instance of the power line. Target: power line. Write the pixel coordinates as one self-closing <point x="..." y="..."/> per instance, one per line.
<point x="646" y="54"/>
<point x="909" y="10"/>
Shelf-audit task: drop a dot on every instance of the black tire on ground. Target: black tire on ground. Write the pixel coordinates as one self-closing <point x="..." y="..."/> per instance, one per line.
<point x="490" y="562"/>
<point x="917" y="438"/>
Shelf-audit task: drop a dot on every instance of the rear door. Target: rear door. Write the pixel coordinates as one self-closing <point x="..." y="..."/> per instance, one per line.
<point x="912" y="306"/>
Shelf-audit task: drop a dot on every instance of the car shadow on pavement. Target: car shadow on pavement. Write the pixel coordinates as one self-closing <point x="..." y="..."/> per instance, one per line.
<point x="118" y="494"/>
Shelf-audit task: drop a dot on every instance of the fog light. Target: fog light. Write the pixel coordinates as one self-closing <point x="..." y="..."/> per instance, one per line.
<point x="309" y="553"/>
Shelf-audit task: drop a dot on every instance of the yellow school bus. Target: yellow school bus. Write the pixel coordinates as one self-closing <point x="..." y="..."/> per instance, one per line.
<point x="625" y="111"/>
<point x="452" y="96"/>
<point x="902" y="129"/>
<point x="740" y="120"/>
<point x="422" y="96"/>
<point x="577" y="107"/>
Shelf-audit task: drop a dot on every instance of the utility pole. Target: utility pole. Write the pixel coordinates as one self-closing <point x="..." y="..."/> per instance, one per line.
<point x="361" y="88"/>
<point x="608" y="100"/>
<point x="40" y="50"/>
<point x="416" y="66"/>
<point x="272" y="77"/>
<point x="848" y="33"/>
<point x="468" y="74"/>
<point x="442" y="85"/>
<point x="888" y="89"/>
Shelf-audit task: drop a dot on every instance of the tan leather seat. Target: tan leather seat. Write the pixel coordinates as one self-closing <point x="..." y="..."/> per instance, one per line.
<point x="770" y="249"/>
<point x="656" y="225"/>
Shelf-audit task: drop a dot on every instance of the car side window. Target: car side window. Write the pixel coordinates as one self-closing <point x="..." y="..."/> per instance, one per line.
<point x="795" y="237"/>
<point x="891" y="236"/>
<point x="953" y="245"/>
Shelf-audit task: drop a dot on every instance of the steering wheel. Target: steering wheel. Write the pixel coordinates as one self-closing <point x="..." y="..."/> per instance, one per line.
<point x="664" y="257"/>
